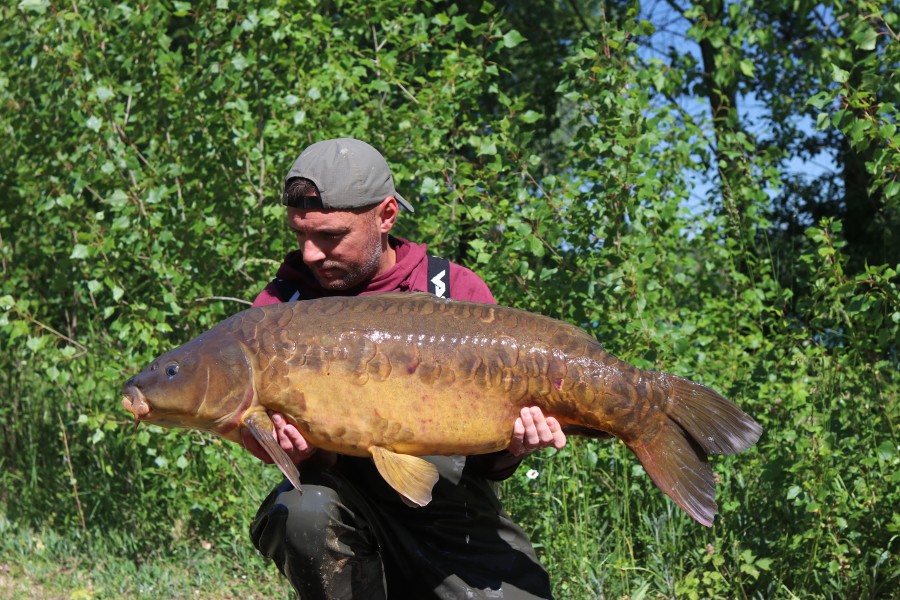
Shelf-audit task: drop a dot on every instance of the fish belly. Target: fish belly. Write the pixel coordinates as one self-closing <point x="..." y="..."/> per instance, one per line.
<point x="403" y="416"/>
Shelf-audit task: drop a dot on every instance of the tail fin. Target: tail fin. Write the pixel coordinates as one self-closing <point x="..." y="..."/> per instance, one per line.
<point x="699" y="422"/>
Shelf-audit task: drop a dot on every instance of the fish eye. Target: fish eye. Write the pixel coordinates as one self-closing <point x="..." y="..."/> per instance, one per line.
<point x="171" y="370"/>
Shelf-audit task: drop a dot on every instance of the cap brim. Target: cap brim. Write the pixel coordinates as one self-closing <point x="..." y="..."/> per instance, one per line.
<point x="402" y="202"/>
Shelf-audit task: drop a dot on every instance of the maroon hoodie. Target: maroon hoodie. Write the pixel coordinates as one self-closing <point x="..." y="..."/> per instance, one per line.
<point x="409" y="274"/>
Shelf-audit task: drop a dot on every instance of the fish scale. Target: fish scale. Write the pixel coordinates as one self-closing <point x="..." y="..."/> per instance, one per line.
<point x="397" y="376"/>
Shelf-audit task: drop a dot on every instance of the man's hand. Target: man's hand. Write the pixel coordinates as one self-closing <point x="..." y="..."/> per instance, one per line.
<point x="533" y="431"/>
<point x="290" y="440"/>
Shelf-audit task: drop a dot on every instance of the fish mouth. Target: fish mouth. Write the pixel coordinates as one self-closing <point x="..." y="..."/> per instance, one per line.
<point x="133" y="401"/>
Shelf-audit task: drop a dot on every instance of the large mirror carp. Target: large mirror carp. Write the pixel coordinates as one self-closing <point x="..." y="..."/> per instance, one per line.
<point x="401" y="375"/>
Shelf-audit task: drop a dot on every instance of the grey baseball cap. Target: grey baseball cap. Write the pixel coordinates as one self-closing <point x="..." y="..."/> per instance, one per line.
<point x="349" y="173"/>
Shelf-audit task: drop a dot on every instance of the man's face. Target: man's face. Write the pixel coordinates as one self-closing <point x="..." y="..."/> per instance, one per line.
<point x="341" y="248"/>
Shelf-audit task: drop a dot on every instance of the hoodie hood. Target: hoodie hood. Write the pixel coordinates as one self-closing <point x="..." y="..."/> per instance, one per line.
<point x="411" y="259"/>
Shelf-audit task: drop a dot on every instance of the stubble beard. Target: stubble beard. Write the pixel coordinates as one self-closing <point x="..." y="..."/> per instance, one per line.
<point x="354" y="275"/>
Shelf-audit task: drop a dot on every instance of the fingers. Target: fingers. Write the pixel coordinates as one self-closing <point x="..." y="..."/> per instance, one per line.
<point x="532" y="431"/>
<point x="517" y="444"/>
<point x="289" y="438"/>
<point x="285" y="433"/>
<point x="557" y="434"/>
<point x="535" y="427"/>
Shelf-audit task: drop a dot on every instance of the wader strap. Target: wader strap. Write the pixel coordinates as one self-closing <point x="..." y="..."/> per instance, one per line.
<point x="286" y="291"/>
<point x="439" y="276"/>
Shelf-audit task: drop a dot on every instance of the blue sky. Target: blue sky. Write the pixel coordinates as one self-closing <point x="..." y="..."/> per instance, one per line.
<point x="671" y="31"/>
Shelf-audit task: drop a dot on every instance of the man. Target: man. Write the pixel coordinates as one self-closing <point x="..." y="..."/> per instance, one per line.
<point x="349" y="535"/>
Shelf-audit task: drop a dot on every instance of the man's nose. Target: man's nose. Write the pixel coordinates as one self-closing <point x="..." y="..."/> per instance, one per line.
<point x="312" y="253"/>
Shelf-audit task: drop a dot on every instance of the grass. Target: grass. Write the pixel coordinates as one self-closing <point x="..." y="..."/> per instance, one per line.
<point x="604" y="531"/>
<point x="45" y="566"/>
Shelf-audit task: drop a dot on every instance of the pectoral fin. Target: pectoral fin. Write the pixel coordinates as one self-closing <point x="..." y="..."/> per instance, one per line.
<point x="411" y="476"/>
<point x="260" y="425"/>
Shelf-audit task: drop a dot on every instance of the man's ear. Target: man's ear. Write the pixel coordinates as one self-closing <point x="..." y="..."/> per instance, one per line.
<point x="387" y="214"/>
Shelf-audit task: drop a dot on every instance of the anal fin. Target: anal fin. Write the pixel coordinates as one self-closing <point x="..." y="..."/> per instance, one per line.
<point x="412" y="477"/>
<point x="260" y="425"/>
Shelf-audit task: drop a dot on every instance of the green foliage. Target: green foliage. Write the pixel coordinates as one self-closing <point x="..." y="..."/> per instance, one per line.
<point x="139" y="178"/>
